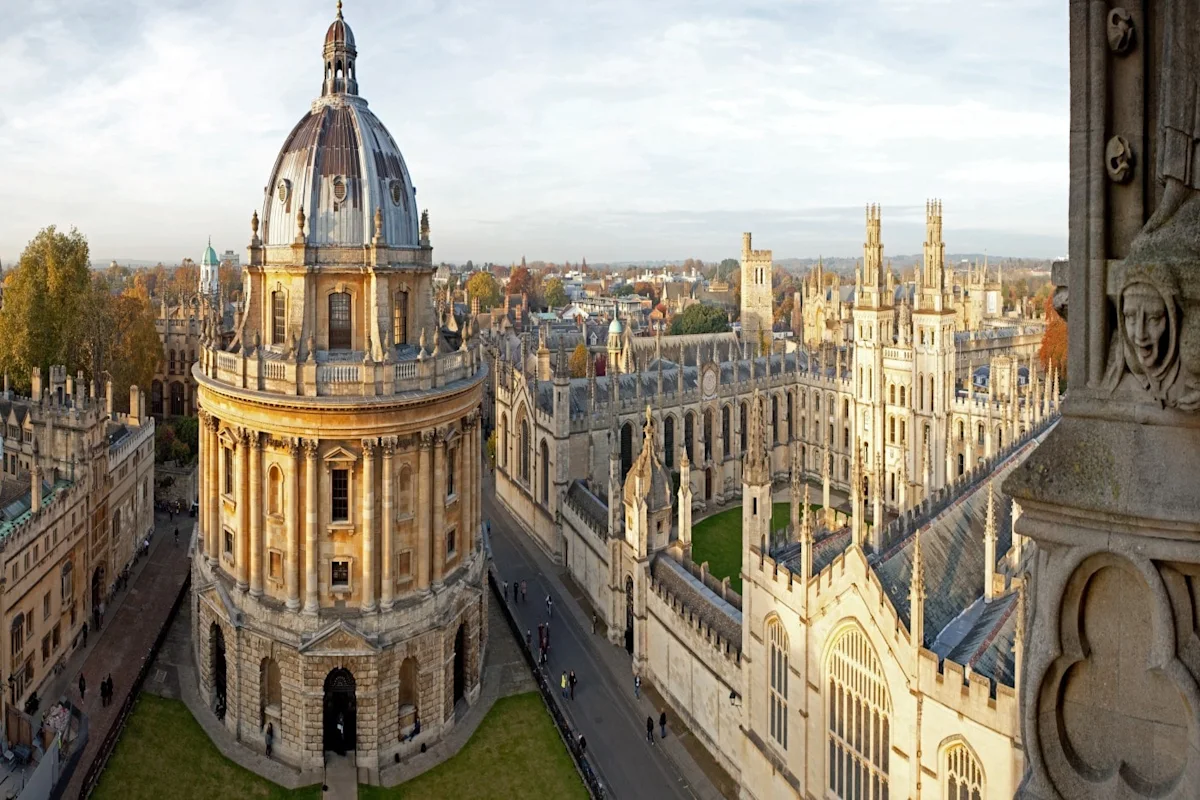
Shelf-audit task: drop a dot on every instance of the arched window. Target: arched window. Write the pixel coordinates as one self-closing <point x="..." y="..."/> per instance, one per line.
<point x="892" y="429"/>
<point x="778" y="664"/>
<point x="961" y="464"/>
<point x="400" y="318"/>
<point x="405" y="493"/>
<point x="775" y="418"/>
<point x="525" y="449"/>
<point x="68" y="583"/>
<point x="502" y="448"/>
<point x="964" y="775"/>
<point x="744" y="425"/>
<point x="706" y="434"/>
<point x="901" y="395"/>
<point x="903" y="434"/>
<point x="791" y="408"/>
<point x="859" y="719"/>
<point x="892" y="394"/>
<point x="171" y="363"/>
<point x="689" y="433"/>
<point x="669" y="441"/>
<point x="961" y="430"/>
<point x="408" y="695"/>
<point x="921" y="392"/>
<point x="339" y="321"/>
<point x="725" y="430"/>
<point x="981" y="433"/>
<point x="278" y="318"/>
<point x="451" y="455"/>
<point x="270" y="692"/>
<point x="999" y="436"/>
<point x="275" y="491"/>
<point x="544" y="468"/>
<point x="626" y="449"/>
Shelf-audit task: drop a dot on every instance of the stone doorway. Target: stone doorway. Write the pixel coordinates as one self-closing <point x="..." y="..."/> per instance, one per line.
<point x="340" y="712"/>
<point x="97" y="586"/>
<point x="629" y="615"/>
<point x="216" y="646"/>
<point x="460" y="666"/>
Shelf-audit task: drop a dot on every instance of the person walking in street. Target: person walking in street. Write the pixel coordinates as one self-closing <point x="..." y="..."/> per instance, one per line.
<point x="650" y="730"/>
<point x="637" y="687"/>
<point x="662" y="722"/>
<point x="528" y="640"/>
<point x="85" y="630"/>
<point x="109" y="681"/>
<point x="524" y="592"/>
<point x="593" y="623"/>
<point x="542" y="635"/>
<point x="564" y="685"/>
<point x="582" y="745"/>
<point x="177" y="536"/>
<point x="504" y="591"/>
<point x="270" y="737"/>
<point x="548" y="612"/>
<point x="571" y="681"/>
<point x="82" y="688"/>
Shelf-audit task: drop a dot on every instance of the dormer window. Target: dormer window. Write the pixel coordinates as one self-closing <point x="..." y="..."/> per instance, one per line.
<point x="339" y="321"/>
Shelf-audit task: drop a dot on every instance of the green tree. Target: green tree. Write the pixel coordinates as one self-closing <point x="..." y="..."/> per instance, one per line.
<point x="624" y="290"/>
<point x="727" y="267"/>
<point x="483" y="286"/>
<point x="556" y="295"/>
<point x="44" y="298"/>
<point x="579" y="361"/>
<point x="699" y="318"/>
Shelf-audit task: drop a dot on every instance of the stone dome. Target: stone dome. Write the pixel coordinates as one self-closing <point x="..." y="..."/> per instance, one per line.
<point x="340" y="166"/>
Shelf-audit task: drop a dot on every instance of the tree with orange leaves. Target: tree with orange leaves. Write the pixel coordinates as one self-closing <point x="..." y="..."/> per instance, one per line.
<point x="1053" y="351"/>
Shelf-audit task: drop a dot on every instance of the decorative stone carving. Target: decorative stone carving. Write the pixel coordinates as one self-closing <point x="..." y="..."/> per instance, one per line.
<point x="255" y="440"/>
<point x="369" y="446"/>
<point x="426" y="440"/>
<point x="388" y="446"/>
<point x="1118" y="159"/>
<point x="1120" y="31"/>
<point x="310" y="448"/>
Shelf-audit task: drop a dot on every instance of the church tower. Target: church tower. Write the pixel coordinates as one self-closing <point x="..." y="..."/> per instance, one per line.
<point x="873" y="322"/>
<point x="756" y="483"/>
<point x="209" y="268"/>
<point x="933" y="353"/>
<point x="757" y="309"/>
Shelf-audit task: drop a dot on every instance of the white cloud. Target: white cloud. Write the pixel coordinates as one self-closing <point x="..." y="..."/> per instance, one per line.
<point x="550" y="129"/>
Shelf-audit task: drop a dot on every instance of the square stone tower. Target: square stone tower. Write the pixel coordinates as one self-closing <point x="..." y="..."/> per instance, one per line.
<point x="757" y="309"/>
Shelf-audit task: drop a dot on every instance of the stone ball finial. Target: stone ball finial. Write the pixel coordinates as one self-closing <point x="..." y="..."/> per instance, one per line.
<point x="254" y="222"/>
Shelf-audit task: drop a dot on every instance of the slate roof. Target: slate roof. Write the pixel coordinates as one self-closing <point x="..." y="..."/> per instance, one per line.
<point x="982" y="637"/>
<point x="589" y="506"/>
<point x="826" y="548"/>
<point x="702" y="601"/>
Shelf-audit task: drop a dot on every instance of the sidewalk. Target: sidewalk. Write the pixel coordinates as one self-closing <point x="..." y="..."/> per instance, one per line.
<point x="135" y="617"/>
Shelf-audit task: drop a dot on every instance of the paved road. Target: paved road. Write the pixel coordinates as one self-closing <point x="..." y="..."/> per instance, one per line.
<point x="604" y="709"/>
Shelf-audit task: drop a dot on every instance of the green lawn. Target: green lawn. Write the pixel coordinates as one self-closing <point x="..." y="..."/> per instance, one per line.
<point x="718" y="540"/>
<point x="164" y="754"/>
<point x="515" y="753"/>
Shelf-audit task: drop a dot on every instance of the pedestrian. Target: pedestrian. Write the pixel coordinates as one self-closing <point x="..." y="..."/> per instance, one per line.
<point x="109" y="681"/>
<point x="85" y="629"/>
<point x="524" y="592"/>
<point x="662" y="722"/>
<point x="637" y="687"/>
<point x="593" y="623"/>
<point x="528" y="640"/>
<point x="549" y="606"/>
<point x="563" y="683"/>
<point x="571" y="681"/>
<point x="505" y="591"/>
<point x="177" y="540"/>
<point x="541" y="635"/>
<point x="269" y="736"/>
<point x="582" y="744"/>
<point x="650" y="730"/>
<point x="82" y="687"/>
<point x="543" y="657"/>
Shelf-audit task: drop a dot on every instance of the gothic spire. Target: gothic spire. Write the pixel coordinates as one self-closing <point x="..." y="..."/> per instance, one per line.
<point x="916" y="596"/>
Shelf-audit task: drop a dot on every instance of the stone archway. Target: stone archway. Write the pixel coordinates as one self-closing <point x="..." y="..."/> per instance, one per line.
<point x="217" y="664"/>
<point x="340" y="712"/>
<point x="629" y="614"/>
<point x="460" y="663"/>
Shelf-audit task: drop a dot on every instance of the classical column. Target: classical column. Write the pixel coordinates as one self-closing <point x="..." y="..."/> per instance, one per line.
<point x="212" y="504"/>
<point x="242" y="557"/>
<point x="202" y="477"/>
<point x="256" y="515"/>
<point x="424" y="510"/>
<point x="292" y="510"/>
<point x="439" y="507"/>
<point x="368" y="525"/>
<point x="310" y="527"/>
<point x="389" y="519"/>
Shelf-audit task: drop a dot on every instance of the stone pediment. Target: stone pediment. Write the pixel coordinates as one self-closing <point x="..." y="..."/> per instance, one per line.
<point x="340" y="638"/>
<point x="216" y="596"/>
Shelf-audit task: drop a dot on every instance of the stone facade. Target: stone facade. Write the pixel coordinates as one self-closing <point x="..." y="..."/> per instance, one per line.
<point x="1110" y="706"/>
<point x="173" y="390"/>
<point x="339" y="582"/>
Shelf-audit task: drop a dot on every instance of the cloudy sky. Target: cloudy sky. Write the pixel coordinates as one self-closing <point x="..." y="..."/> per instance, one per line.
<point x="556" y="129"/>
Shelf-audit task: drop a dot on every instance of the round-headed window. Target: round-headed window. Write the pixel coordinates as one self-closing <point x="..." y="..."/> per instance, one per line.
<point x="397" y="192"/>
<point x="284" y="189"/>
<point x="339" y="189"/>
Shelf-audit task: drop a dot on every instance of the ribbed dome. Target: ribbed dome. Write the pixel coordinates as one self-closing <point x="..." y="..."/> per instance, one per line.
<point x="340" y="165"/>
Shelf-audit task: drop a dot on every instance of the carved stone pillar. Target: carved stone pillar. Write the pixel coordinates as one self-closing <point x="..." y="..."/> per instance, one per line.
<point x="256" y="515"/>
<point x="1110" y="687"/>
<point x="439" y="507"/>
<point x="293" y="511"/>
<point x="204" y="456"/>
<point x="424" y="510"/>
<point x="243" y="510"/>
<point x="212" y="505"/>
<point x="386" y="595"/>
<point x="311" y="505"/>
<point x="368" y="525"/>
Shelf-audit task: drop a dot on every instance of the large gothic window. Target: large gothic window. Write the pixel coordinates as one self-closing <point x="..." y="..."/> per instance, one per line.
<point x="669" y="441"/>
<point x="778" y="643"/>
<point x="724" y="430"/>
<point x="339" y="321"/>
<point x="744" y="425"/>
<point x="626" y="449"/>
<point x="964" y="775"/>
<point x="775" y="418"/>
<point x="525" y="449"/>
<point x="278" y="317"/>
<point x="544" y="468"/>
<point x="689" y="433"/>
<point x="707" y="434"/>
<point x="859" y="720"/>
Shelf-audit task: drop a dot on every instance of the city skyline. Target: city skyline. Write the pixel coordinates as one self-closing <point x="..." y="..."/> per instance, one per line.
<point x="135" y="123"/>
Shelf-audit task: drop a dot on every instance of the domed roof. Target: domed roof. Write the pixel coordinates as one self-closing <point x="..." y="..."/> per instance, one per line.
<point x="210" y="257"/>
<point x="341" y="167"/>
<point x="655" y="481"/>
<point x="615" y="326"/>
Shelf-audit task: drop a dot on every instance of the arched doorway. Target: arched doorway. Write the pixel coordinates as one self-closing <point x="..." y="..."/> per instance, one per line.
<point x="629" y="614"/>
<point x="216" y="647"/>
<point x="460" y="663"/>
<point x="340" y="711"/>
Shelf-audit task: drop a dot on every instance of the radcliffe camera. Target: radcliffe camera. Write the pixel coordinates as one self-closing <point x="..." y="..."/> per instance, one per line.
<point x="762" y="401"/>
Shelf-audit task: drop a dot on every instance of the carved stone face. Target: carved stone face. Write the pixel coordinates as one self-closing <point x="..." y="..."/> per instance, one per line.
<point x="1145" y="323"/>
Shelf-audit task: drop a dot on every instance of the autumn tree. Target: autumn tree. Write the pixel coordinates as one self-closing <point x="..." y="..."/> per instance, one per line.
<point x="556" y="295"/>
<point x="181" y="282"/>
<point x="44" y="299"/>
<point x="1053" y="350"/>
<point x="483" y="286"/>
<point x="699" y="318"/>
<point x="579" y="361"/>
<point x="522" y="281"/>
<point x="646" y="289"/>
<point x="117" y="338"/>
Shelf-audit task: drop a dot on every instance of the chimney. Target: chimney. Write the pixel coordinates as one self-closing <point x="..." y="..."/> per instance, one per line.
<point x="135" y="406"/>
<point x="108" y="397"/>
<point x="35" y="477"/>
<point x="35" y="388"/>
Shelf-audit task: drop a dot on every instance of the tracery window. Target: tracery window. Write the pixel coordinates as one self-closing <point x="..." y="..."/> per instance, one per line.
<point x="669" y="441"/>
<point x="858" y="722"/>
<point x="964" y="775"/>
<point x="525" y="450"/>
<point x="778" y="664"/>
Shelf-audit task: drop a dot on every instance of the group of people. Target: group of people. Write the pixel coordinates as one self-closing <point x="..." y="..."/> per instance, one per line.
<point x="106" y="689"/>
<point x="520" y="591"/>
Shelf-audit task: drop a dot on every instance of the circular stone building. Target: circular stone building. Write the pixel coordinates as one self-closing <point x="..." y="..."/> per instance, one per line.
<point x="338" y="578"/>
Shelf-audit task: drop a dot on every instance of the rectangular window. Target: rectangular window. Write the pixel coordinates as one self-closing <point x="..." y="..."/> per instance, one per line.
<point x="339" y="573"/>
<point x="17" y="639"/>
<point x="29" y="625"/>
<point x="229" y="543"/>
<point x="451" y="545"/>
<point x="400" y="319"/>
<point x="404" y="564"/>
<point x="278" y="318"/>
<point x="339" y="505"/>
<point x="46" y="606"/>
<point x="339" y="321"/>
<point x="450" y="456"/>
<point x="56" y="638"/>
<point x="228" y="454"/>
<point x="276" y="565"/>
<point x="45" y="648"/>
